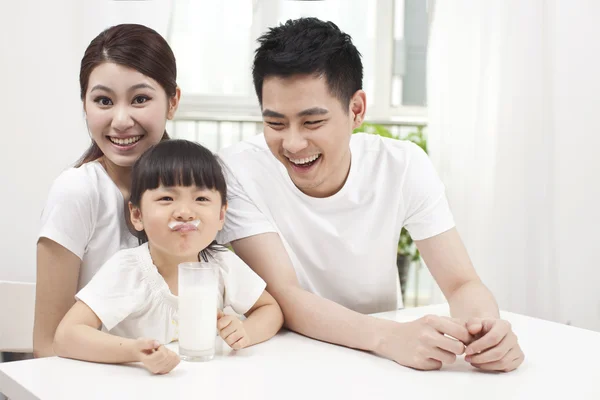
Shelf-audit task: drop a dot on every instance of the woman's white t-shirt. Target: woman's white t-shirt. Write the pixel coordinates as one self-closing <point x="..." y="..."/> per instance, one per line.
<point x="85" y="213"/>
<point x="133" y="300"/>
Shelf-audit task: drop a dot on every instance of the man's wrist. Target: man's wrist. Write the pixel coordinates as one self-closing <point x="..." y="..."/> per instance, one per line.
<point x="130" y="346"/>
<point x="379" y="335"/>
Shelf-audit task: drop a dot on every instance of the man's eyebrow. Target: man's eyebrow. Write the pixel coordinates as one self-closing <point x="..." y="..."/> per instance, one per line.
<point x="273" y="114"/>
<point x="312" y="111"/>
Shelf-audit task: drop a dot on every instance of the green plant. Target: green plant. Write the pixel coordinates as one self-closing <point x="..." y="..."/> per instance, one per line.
<point x="407" y="250"/>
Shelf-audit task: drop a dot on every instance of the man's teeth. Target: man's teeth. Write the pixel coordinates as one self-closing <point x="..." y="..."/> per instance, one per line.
<point x="306" y="160"/>
<point x="124" y="142"/>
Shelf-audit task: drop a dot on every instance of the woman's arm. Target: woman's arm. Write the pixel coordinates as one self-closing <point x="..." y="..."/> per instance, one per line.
<point x="78" y="337"/>
<point x="57" y="280"/>
<point x="264" y="319"/>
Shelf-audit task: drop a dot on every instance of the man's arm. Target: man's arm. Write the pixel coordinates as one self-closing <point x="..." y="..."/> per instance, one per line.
<point x="305" y="312"/>
<point x="420" y="344"/>
<point x="446" y="257"/>
<point x="496" y="346"/>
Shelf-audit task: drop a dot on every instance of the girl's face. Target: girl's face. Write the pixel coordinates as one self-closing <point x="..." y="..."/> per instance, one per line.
<point x="126" y="112"/>
<point x="179" y="221"/>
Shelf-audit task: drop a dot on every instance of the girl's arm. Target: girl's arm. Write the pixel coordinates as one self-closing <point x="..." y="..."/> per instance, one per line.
<point x="78" y="337"/>
<point x="264" y="319"/>
<point x="57" y="279"/>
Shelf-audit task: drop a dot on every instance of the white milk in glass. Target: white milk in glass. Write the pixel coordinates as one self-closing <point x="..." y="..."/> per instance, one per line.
<point x="197" y="311"/>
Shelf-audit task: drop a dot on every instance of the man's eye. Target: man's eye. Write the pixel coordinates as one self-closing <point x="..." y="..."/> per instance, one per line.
<point x="165" y="198"/>
<point x="201" y="198"/>
<point x="275" y="124"/>
<point x="314" y="122"/>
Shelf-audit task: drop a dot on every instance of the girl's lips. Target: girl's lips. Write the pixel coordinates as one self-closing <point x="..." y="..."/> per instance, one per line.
<point x="185" y="228"/>
<point x="181" y="226"/>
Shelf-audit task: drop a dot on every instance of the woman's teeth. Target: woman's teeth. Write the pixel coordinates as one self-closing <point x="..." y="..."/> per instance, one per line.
<point x="126" y="141"/>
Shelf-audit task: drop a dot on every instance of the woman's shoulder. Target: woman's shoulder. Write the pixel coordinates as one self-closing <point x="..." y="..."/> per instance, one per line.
<point x="83" y="180"/>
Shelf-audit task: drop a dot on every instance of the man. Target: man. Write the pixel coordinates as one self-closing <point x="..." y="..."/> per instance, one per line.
<point x="317" y="213"/>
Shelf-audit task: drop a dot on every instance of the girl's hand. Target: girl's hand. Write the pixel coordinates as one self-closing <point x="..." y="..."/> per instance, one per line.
<point x="155" y="357"/>
<point x="232" y="330"/>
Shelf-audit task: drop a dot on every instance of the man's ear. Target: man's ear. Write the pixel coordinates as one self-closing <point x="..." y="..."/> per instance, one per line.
<point x="136" y="217"/>
<point x="358" y="108"/>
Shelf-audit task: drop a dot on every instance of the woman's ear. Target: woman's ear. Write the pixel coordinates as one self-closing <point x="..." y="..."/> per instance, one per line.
<point x="136" y="217"/>
<point x="174" y="104"/>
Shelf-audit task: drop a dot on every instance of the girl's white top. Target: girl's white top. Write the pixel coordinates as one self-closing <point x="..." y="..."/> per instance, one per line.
<point x="133" y="300"/>
<point x="85" y="213"/>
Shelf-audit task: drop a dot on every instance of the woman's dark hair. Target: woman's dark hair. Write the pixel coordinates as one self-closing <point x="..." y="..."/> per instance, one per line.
<point x="133" y="46"/>
<point x="309" y="46"/>
<point x="177" y="162"/>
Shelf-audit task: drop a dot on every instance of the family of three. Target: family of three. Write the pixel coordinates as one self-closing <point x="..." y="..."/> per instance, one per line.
<point x="312" y="212"/>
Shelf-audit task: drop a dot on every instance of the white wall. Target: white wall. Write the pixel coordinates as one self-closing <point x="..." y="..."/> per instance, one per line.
<point x="513" y="129"/>
<point x="577" y="154"/>
<point x="42" y="124"/>
<point x="43" y="129"/>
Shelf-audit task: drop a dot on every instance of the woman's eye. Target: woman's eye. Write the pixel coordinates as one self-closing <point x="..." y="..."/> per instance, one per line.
<point x="165" y="198"/>
<point x="141" y="99"/>
<point x="103" y="101"/>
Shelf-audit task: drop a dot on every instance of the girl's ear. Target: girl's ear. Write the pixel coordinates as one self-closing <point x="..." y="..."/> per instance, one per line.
<point x="136" y="217"/>
<point x="222" y="216"/>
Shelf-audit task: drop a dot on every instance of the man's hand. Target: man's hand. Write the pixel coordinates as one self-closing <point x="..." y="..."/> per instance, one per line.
<point x="495" y="347"/>
<point x="155" y="357"/>
<point x="232" y="330"/>
<point x="423" y="344"/>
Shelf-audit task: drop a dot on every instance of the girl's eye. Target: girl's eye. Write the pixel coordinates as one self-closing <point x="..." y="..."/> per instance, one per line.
<point x="103" y="101"/>
<point x="165" y="198"/>
<point x="141" y="99"/>
<point x="202" y="199"/>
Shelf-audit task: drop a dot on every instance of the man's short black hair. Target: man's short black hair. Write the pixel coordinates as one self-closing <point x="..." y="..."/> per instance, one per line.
<point x="313" y="47"/>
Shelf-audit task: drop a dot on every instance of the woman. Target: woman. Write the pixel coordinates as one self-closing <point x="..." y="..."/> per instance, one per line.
<point x="129" y="91"/>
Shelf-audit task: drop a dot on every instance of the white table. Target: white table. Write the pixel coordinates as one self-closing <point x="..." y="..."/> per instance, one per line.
<point x="561" y="362"/>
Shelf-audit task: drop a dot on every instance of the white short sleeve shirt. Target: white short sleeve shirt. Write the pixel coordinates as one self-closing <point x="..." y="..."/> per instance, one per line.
<point x="132" y="299"/>
<point x="85" y="213"/>
<point x="342" y="247"/>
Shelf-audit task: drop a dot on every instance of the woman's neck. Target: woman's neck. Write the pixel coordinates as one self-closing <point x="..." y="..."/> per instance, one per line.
<point x="121" y="176"/>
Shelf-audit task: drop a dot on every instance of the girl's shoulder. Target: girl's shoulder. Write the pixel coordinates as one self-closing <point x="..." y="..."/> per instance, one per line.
<point x="226" y="258"/>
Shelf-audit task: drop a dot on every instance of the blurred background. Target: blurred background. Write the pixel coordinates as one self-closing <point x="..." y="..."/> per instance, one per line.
<point x="502" y="94"/>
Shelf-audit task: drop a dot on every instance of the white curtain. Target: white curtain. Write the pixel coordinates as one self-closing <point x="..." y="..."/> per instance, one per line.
<point x="513" y="93"/>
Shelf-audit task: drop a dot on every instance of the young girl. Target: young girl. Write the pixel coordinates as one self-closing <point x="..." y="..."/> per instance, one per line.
<point x="177" y="206"/>
<point x="129" y="91"/>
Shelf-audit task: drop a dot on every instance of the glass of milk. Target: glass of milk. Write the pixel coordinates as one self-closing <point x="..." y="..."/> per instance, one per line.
<point x="198" y="286"/>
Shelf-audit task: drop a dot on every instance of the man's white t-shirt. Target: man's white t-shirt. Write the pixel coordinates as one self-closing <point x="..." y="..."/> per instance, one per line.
<point x="85" y="213"/>
<point x="133" y="300"/>
<point x="342" y="247"/>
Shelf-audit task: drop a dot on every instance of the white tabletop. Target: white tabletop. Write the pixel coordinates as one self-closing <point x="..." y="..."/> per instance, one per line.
<point x="560" y="361"/>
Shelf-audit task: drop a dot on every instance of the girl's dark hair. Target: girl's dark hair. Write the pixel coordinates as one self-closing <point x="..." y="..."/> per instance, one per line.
<point x="177" y="162"/>
<point x="134" y="46"/>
